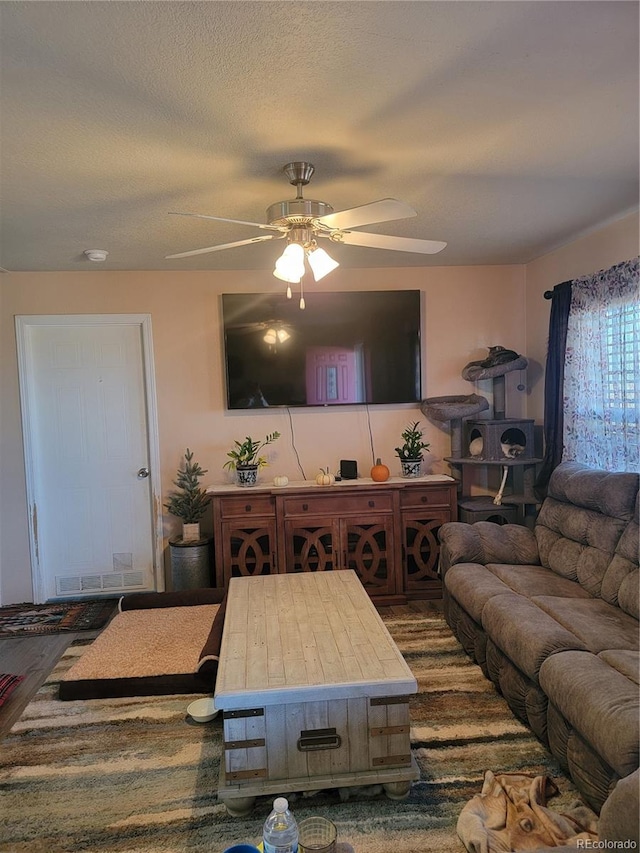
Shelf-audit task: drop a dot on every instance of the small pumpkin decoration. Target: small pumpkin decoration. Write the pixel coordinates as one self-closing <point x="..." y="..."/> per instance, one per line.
<point x="324" y="477"/>
<point x="379" y="472"/>
<point x="280" y="480"/>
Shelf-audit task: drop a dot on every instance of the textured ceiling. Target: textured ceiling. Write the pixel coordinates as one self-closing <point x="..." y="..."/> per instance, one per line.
<point x="511" y="127"/>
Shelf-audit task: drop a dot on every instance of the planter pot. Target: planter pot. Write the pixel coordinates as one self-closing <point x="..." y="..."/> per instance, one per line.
<point x="191" y="532"/>
<point x="246" y="475"/>
<point x="411" y="467"/>
<point x="190" y="564"/>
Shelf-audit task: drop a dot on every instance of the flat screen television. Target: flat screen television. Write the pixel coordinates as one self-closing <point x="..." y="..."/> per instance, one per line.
<point x="343" y="349"/>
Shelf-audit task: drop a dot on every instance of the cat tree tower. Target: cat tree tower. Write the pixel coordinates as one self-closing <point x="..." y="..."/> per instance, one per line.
<point x="504" y="443"/>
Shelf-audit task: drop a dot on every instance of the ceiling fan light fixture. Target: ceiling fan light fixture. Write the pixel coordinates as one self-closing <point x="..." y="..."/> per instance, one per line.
<point x="301" y="220"/>
<point x="282" y="335"/>
<point x="285" y="275"/>
<point x="321" y="263"/>
<point x="270" y="336"/>
<point x="290" y="264"/>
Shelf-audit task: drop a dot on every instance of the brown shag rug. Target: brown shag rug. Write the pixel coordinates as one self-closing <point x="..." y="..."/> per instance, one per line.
<point x="137" y="775"/>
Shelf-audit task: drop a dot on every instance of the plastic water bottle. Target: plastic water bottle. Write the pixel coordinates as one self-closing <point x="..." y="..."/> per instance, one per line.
<point x="280" y="834"/>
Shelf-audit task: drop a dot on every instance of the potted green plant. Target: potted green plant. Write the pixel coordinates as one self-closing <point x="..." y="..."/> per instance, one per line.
<point x="411" y="452"/>
<point x="190" y="501"/>
<point x="190" y="553"/>
<point x="245" y="458"/>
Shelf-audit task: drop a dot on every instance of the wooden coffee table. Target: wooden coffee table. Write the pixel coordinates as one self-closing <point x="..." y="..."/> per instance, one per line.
<point x="313" y="690"/>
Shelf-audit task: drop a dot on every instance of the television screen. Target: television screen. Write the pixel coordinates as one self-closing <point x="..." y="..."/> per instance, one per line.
<point x="344" y="348"/>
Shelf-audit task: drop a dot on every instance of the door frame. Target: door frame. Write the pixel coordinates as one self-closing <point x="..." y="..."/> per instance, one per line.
<point x="24" y="323"/>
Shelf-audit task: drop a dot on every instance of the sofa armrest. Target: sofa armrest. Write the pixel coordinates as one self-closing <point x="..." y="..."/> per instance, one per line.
<point x="619" y="815"/>
<point x="486" y="542"/>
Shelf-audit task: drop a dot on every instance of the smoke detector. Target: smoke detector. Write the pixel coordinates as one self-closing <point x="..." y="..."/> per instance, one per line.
<point x="96" y="255"/>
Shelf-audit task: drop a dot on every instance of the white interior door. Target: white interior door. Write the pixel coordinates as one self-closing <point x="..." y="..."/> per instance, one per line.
<point x="91" y="454"/>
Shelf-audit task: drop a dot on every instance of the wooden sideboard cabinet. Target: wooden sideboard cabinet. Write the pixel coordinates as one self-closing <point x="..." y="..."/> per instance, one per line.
<point x="386" y="532"/>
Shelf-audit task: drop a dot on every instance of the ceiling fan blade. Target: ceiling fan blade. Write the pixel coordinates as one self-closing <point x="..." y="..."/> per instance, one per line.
<point x="225" y="246"/>
<point x="366" y="214"/>
<point x="396" y="244"/>
<point x="236" y="221"/>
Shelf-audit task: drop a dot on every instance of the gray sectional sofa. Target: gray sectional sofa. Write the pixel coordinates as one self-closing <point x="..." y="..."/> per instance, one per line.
<point x="551" y="616"/>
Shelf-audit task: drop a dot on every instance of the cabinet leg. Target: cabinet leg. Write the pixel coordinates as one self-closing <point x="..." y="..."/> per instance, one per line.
<point x="240" y="806"/>
<point x="397" y="790"/>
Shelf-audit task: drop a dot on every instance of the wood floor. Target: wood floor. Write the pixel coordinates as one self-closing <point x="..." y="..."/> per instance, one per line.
<point x="35" y="657"/>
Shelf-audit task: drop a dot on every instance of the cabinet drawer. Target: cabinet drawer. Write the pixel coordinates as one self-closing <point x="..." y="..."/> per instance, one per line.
<point x="425" y="497"/>
<point x="239" y="506"/>
<point x="338" y="505"/>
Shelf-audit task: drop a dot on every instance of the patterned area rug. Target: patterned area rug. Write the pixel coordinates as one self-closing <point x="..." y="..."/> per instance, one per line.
<point x="18" y="620"/>
<point x="136" y="775"/>
<point x="8" y="683"/>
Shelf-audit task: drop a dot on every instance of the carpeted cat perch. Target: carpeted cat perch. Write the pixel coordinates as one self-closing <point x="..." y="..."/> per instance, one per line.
<point x="495" y="366"/>
<point x="498" y="363"/>
<point x="454" y="409"/>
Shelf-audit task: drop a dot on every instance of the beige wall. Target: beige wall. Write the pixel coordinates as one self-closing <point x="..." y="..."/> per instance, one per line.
<point x="598" y="250"/>
<point x="466" y="309"/>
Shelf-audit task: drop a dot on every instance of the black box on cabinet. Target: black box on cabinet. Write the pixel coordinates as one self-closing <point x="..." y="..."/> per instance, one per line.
<point x="348" y="469"/>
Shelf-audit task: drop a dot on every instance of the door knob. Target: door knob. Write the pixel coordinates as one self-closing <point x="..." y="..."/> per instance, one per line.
<point x="143" y="473"/>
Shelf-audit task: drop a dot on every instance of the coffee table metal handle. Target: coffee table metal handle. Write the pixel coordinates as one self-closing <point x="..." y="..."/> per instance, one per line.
<point x="315" y="739"/>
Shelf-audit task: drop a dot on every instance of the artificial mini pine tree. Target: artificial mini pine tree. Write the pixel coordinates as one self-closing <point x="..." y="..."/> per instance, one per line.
<point x="191" y="501"/>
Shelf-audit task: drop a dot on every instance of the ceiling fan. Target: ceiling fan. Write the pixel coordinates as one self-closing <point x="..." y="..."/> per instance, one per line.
<point x="301" y="221"/>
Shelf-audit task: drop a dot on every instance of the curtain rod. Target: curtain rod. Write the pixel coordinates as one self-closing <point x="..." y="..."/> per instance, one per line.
<point x="549" y="294"/>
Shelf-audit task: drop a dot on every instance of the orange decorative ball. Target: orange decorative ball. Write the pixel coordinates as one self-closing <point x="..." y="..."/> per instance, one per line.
<point x="379" y="472"/>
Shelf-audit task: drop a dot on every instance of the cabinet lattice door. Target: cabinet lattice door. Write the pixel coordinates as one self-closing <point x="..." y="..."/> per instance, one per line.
<point x="366" y="551"/>
<point x="353" y="543"/>
<point x="421" y="549"/>
<point x="249" y="551"/>
<point x="313" y="547"/>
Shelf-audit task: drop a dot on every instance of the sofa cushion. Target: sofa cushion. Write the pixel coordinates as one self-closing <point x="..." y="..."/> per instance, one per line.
<point x="629" y="594"/>
<point x="472" y="585"/>
<point x="599" y="625"/>
<point x="486" y="542"/>
<point x="624" y="563"/>
<point x="582" y="520"/>
<point x="536" y="580"/>
<point x="612" y="494"/>
<point x="619" y="815"/>
<point x="577" y="543"/>
<point x="625" y="661"/>
<point x="599" y="702"/>
<point x="525" y="633"/>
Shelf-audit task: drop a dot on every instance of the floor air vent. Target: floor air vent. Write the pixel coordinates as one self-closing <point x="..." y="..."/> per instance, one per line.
<point x="111" y="582"/>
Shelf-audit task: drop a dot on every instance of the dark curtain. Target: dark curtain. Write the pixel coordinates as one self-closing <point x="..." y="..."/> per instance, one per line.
<point x="553" y="385"/>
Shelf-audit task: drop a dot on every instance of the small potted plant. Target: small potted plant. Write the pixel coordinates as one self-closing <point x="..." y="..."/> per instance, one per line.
<point x="190" y="554"/>
<point x="411" y="451"/>
<point x="245" y="458"/>
<point x="191" y="501"/>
